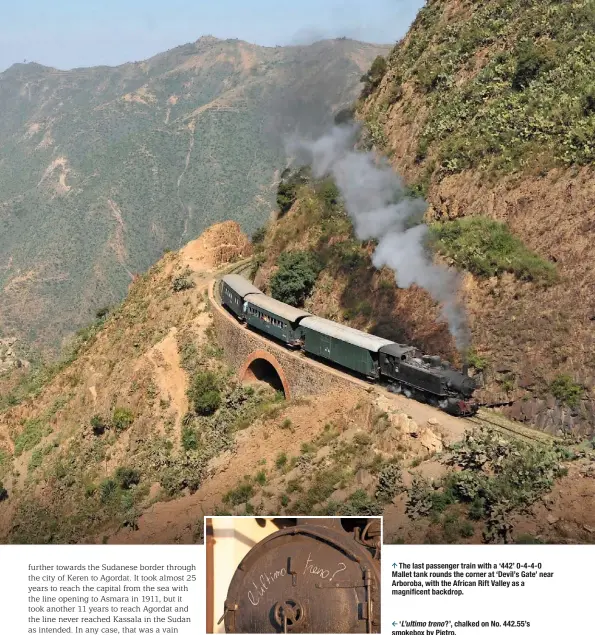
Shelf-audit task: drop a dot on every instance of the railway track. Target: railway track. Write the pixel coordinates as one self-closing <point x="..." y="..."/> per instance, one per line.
<point x="483" y="418"/>
<point x="508" y="427"/>
<point x="239" y="267"/>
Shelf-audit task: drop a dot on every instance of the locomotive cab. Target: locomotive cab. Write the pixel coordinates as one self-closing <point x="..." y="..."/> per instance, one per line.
<point x="428" y="378"/>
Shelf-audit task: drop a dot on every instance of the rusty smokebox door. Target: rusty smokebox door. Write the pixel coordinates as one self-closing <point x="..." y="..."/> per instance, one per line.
<point x="305" y="579"/>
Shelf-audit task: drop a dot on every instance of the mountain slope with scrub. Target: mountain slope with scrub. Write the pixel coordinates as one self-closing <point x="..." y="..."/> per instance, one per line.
<point x="487" y="110"/>
<point x="102" y="169"/>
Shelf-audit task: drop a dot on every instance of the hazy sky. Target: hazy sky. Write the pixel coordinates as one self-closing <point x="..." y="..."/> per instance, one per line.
<point x="71" y="33"/>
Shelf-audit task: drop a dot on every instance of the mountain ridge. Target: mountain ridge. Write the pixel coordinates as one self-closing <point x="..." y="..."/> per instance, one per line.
<point x="203" y="39"/>
<point x="104" y="168"/>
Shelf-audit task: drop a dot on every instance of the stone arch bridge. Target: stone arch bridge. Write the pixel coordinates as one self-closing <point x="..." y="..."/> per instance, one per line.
<point x="256" y="358"/>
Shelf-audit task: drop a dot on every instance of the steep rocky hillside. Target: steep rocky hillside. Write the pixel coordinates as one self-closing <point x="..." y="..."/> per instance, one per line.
<point x="488" y="110"/>
<point x="142" y="430"/>
<point x="102" y="169"/>
<point x="10" y="355"/>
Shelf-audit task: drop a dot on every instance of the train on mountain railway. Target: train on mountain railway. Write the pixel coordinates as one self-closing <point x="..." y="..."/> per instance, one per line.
<point x="403" y="368"/>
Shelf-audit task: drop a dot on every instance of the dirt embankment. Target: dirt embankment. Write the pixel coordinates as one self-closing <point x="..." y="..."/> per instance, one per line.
<point x="218" y="245"/>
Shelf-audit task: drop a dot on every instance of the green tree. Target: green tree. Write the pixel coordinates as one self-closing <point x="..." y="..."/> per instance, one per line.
<point x="204" y="393"/>
<point x="288" y="187"/>
<point x="532" y="60"/>
<point x="286" y="196"/>
<point x="374" y="76"/>
<point x="295" y="277"/>
<point x="566" y="390"/>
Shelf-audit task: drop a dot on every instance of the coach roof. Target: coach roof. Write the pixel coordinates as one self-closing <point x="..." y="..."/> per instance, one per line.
<point x="240" y="285"/>
<point x="345" y="333"/>
<point x="285" y="311"/>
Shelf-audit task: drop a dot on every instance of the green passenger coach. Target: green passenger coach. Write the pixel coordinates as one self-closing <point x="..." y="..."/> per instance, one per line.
<point x="343" y="345"/>
<point x="234" y="288"/>
<point x="275" y="318"/>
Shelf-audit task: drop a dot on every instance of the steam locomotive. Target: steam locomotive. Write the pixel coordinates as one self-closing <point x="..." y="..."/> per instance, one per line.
<point x="426" y="378"/>
<point x="321" y="575"/>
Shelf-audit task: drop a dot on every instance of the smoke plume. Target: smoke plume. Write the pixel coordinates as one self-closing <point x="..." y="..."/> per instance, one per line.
<point x="376" y="200"/>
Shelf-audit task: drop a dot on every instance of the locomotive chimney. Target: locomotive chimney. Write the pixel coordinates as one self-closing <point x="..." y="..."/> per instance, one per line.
<point x="466" y="369"/>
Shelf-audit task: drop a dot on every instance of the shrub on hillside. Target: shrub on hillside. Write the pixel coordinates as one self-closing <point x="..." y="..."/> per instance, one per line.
<point x="350" y="254"/>
<point x="33" y="432"/>
<point x="3" y="493"/>
<point x="566" y="390"/>
<point x="122" y="419"/>
<point x="126" y="477"/>
<point x="288" y="187"/>
<point x="487" y="248"/>
<point x="107" y="489"/>
<point x="98" y="425"/>
<point x="286" y="196"/>
<point x="259" y="235"/>
<point x="389" y="482"/>
<point x="204" y="393"/>
<point x="182" y="283"/>
<point x="499" y="476"/>
<point x="361" y="504"/>
<point x="329" y="194"/>
<point x="240" y="494"/>
<point x="295" y="277"/>
<point x="189" y="438"/>
<point x="476" y="361"/>
<point x="374" y="76"/>
<point x="531" y="61"/>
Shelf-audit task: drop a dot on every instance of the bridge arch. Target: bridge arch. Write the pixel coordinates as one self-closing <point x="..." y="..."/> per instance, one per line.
<point x="262" y="366"/>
